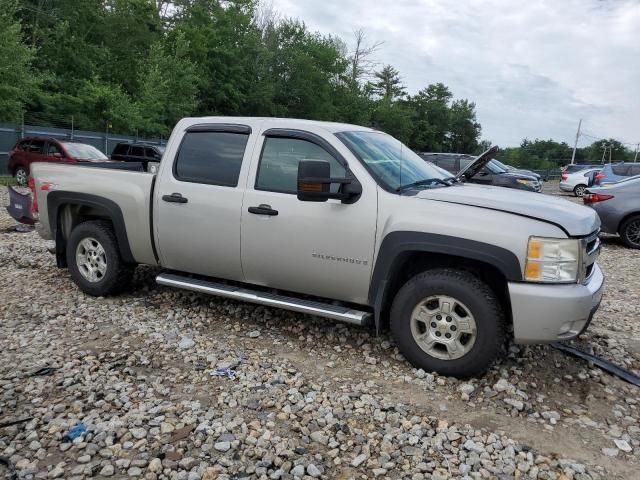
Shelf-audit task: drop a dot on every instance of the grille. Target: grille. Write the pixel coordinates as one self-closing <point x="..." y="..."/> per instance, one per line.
<point x="590" y="252"/>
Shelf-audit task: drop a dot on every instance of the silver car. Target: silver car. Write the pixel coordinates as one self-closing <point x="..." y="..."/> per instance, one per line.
<point x="618" y="205"/>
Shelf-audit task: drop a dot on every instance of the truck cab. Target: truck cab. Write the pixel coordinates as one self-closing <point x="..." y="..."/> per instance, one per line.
<point x="339" y="221"/>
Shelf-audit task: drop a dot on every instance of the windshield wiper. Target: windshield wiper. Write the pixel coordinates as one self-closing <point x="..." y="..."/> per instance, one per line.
<point x="452" y="180"/>
<point x="426" y="181"/>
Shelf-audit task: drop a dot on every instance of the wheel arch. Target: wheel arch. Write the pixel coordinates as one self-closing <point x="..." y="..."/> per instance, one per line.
<point x="68" y="209"/>
<point x="627" y="217"/>
<point x="403" y="255"/>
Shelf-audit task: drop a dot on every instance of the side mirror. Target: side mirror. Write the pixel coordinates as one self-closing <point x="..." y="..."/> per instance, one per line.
<point x="57" y="155"/>
<point x="314" y="182"/>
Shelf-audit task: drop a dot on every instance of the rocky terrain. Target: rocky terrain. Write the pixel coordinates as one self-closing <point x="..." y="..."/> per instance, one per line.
<point x="295" y="396"/>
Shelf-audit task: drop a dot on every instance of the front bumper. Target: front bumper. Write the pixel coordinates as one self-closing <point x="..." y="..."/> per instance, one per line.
<point x="549" y="313"/>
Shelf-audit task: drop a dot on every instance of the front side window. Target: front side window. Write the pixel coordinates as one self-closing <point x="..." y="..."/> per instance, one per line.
<point x="52" y="149"/>
<point x="137" y="151"/>
<point x="213" y="158"/>
<point x="151" y="153"/>
<point x="392" y="164"/>
<point x="278" y="169"/>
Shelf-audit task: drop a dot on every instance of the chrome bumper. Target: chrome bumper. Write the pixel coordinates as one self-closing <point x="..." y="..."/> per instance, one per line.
<point x="548" y="313"/>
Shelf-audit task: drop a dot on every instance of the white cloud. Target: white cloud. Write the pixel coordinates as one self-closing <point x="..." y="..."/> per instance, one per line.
<point x="532" y="67"/>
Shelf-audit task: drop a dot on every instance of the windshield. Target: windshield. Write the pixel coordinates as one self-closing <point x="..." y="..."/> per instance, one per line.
<point x="389" y="161"/>
<point x="491" y="167"/>
<point x="500" y="164"/>
<point x="84" y="151"/>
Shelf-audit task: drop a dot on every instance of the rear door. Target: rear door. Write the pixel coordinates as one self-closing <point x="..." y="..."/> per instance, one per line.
<point x="198" y="201"/>
<point x="36" y="151"/>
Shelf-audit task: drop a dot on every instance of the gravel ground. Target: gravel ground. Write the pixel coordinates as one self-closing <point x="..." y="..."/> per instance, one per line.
<point x="310" y="398"/>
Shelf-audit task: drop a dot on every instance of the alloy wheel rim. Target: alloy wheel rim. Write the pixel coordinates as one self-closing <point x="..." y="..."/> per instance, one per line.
<point x="443" y="327"/>
<point x="580" y="191"/>
<point x="633" y="232"/>
<point x="21" y="177"/>
<point x="91" y="259"/>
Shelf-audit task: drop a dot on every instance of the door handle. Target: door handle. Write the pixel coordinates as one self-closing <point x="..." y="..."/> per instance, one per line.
<point x="263" y="209"/>
<point x="175" y="198"/>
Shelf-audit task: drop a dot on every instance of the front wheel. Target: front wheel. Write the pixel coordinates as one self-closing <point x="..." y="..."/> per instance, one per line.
<point x="94" y="259"/>
<point x="448" y="321"/>
<point x="579" y="190"/>
<point x="630" y="232"/>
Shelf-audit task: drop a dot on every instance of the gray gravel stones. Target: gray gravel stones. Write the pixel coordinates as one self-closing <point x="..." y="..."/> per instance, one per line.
<point x="310" y="399"/>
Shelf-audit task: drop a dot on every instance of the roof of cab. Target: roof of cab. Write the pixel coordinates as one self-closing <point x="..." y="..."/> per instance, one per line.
<point x="272" y="122"/>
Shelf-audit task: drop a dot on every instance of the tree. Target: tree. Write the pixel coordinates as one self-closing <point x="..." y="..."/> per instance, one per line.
<point x="360" y="63"/>
<point x="17" y="78"/>
<point x="464" y="130"/>
<point x="430" y="108"/>
<point x="168" y="88"/>
<point x="388" y="85"/>
<point x="605" y="149"/>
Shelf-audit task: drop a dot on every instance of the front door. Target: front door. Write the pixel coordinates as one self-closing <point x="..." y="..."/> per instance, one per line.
<point x="198" y="201"/>
<point x="319" y="248"/>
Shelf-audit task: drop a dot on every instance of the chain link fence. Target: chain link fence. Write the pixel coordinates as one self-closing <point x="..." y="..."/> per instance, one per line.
<point x="62" y="128"/>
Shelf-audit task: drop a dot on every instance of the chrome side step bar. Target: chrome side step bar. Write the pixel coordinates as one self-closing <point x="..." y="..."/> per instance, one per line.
<point x="310" y="307"/>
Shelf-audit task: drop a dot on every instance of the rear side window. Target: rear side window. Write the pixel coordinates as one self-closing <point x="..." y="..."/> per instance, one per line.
<point x="24" y="145"/>
<point x="213" y="158"/>
<point x="621" y="169"/>
<point x="278" y="170"/>
<point x="121" y="149"/>
<point x="448" y="164"/>
<point x="36" y="146"/>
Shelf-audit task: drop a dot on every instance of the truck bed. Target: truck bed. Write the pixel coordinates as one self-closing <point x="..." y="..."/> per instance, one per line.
<point x="131" y="191"/>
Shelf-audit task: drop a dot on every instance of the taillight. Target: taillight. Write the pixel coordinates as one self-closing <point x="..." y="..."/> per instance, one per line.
<point x="564" y="176"/>
<point x="34" y="199"/>
<point x="595" y="198"/>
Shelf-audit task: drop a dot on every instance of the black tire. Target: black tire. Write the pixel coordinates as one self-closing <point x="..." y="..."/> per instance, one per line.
<point x="578" y="190"/>
<point x="118" y="274"/>
<point x="476" y="296"/>
<point x="628" y="232"/>
<point x="21" y="174"/>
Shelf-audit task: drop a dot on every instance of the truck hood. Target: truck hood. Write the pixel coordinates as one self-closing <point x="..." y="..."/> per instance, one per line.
<point x="575" y="220"/>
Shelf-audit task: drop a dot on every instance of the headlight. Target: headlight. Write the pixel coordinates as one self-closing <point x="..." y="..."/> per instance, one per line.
<point x="522" y="181"/>
<point x="552" y="260"/>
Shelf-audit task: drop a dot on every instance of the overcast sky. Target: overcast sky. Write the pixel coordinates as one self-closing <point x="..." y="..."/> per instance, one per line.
<point x="533" y="68"/>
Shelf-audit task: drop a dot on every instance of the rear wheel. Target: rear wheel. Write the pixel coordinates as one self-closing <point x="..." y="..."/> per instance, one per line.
<point x="94" y="259"/>
<point x="630" y="232"/>
<point x="21" y="175"/>
<point x="579" y="190"/>
<point x="448" y="321"/>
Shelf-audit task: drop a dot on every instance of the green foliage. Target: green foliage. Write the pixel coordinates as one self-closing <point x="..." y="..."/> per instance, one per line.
<point x="17" y="79"/>
<point x="140" y="65"/>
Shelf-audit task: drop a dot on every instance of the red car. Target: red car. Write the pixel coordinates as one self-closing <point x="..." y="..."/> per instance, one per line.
<point x="42" y="149"/>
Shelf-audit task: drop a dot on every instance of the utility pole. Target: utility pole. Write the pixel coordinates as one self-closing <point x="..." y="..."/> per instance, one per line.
<point x="610" y="148"/>
<point x="604" y="152"/>
<point x="575" y="145"/>
<point x="635" y="159"/>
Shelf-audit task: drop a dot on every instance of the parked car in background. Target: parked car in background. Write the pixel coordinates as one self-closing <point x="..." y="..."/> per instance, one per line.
<point x="576" y="167"/>
<point x="614" y="172"/>
<point x="618" y="206"/>
<point x="137" y="152"/>
<point x="491" y="174"/>
<point x="374" y="235"/>
<point x="512" y="169"/>
<point x="43" y="149"/>
<point x="577" y="182"/>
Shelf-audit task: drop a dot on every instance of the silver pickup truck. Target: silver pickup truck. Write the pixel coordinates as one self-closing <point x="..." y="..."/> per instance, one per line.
<point x="338" y="221"/>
